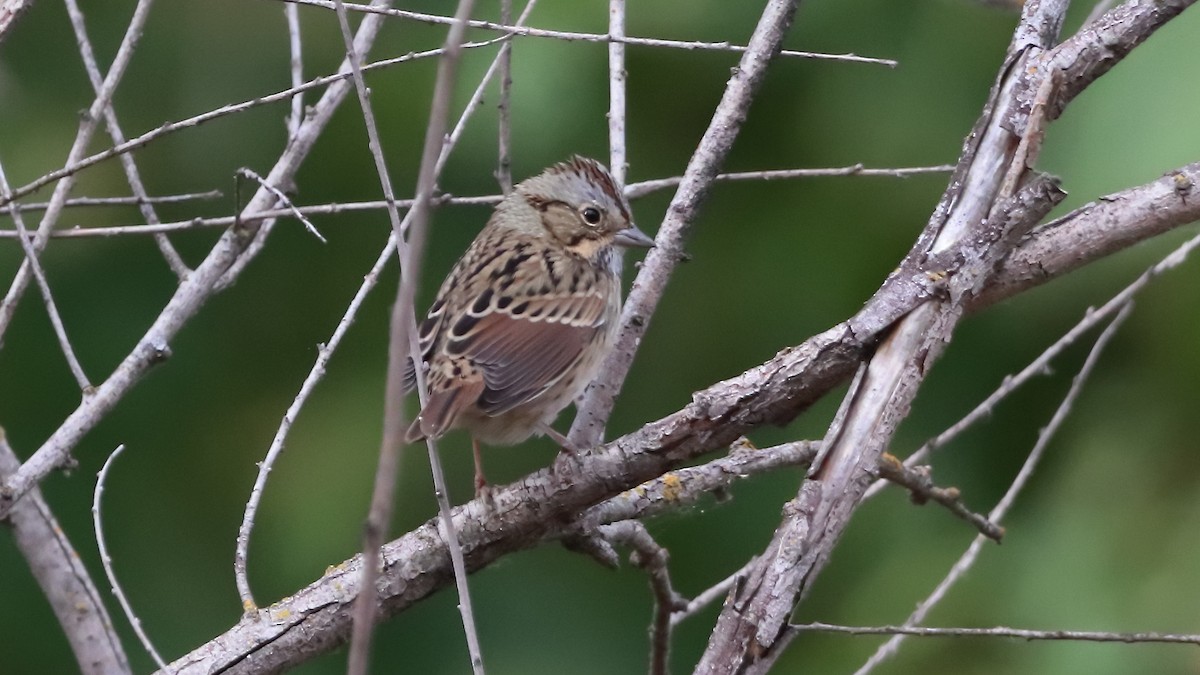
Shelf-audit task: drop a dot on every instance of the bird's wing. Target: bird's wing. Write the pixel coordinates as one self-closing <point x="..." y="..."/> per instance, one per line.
<point x="426" y="334"/>
<point x="524" y="345"/>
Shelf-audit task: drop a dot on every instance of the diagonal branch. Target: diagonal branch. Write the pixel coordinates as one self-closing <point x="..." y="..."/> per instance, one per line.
<point x="10" y="12"/>
<point x="702" y="168"/>
<point x="39" y="275"/>
<point x="64" y="580"/>
<point x="968" y="558"/>
<point x="315" y="619"/>
<point x="985" y="193"/>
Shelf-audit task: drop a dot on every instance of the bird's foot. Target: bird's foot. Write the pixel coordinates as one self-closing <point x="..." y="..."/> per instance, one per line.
<point x="563" y="442"/>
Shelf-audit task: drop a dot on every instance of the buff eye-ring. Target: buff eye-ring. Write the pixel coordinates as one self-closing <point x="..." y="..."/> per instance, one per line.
<point x="591" y="215"/>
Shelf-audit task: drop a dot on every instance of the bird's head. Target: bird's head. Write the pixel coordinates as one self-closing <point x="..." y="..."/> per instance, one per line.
<point x="579" y="205"/>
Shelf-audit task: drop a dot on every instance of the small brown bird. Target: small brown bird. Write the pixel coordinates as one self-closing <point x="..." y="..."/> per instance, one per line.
<point x="521" y="324"/>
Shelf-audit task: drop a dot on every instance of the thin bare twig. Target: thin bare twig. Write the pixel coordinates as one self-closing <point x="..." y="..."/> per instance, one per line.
<point x="503" y="108"/>
<point x="64" y="579"/>
<point x="268" y="213"/>
<point x="316" y="373"/>
<point x="324" y="351"/>
<point x="968" y="558"/>
<point x="106" y="561"/>
<point x="76" y="202"/>
<point x="114" y="131"/>
<point x="677" y="490"/>
<point x="618" y="158"/>
<point x="685" y="487"/>
<point x="291" y="14"/>
<point x="596" y="37"/>
<point x="682" y="488"/>
<point x="380" y="513"/>
<point x="293" y="121"/>
<point x="712" y="594"/>
<point x="284" y="200"/>
<point x="650" y="556"/>
<point x="39" y="275"/>
<point x="402" y="345"/>
<point x="1004" y="632"/>
<point x="473" y="103"/>
<point x="919" y="482"/>
<point x="633" y="191"/>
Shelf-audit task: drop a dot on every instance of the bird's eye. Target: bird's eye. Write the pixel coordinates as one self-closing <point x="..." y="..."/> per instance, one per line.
<point x="591" y="215"/>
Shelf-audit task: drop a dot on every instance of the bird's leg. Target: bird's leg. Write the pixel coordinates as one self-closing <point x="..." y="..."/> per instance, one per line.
<point x="566" y="445"/>
<point x="480" y="480"/>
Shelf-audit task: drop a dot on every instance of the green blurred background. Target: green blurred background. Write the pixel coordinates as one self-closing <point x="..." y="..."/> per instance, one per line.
<point x="1105" y="538"/>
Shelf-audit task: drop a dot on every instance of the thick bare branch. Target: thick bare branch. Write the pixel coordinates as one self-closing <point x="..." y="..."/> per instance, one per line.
<point x="996" y="161"/>
<point x="997" y="514"/>
<point x="10" y="12"/>
<point x="682" y="488"/>
<point x="64" y="580"/>
<point x="1098" y="229"/>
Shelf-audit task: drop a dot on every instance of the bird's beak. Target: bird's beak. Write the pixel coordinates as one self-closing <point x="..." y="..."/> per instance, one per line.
<point x="632" y="236"/>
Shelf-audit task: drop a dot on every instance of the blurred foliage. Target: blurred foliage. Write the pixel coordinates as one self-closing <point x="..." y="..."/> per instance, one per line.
<point x="1104" y="539"/>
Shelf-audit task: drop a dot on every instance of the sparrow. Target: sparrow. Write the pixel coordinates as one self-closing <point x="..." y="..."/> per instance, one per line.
<point x="523" y="321"/>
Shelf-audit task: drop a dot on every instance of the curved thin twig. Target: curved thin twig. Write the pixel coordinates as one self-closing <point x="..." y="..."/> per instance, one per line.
<point x="106" y="561"/>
